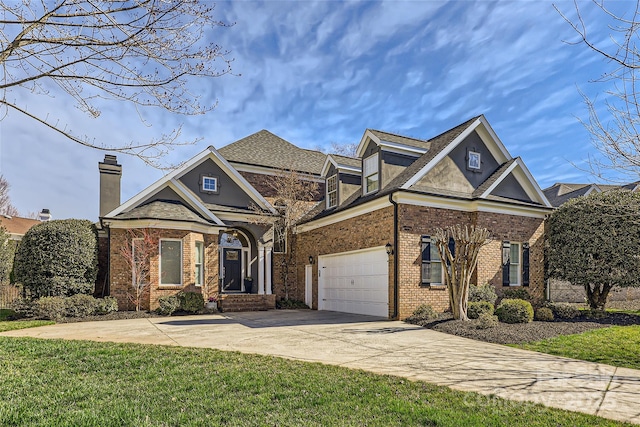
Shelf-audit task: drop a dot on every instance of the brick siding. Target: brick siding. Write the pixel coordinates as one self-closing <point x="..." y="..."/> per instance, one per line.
<point x="120" y="272"/>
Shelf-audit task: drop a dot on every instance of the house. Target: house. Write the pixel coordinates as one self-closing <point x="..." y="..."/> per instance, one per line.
<point x="365" y="247"/>
<point x="18" y="226"/>
<point x="559" y="192"/>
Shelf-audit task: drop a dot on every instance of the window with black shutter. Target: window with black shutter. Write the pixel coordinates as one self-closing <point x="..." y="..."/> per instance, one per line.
<point x="431" y="263"/>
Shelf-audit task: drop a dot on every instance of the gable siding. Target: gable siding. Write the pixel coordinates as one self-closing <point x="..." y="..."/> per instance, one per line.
<point x="347" y="185"/>
<point x="511" y="188"/>
<point x="229" y="194"/>
<point x="459" y="156"/>
<point x="164" y="194"/>
<point x="393" y="164"/>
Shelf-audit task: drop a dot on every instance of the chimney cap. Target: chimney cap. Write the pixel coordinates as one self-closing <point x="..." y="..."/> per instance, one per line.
<point x="110" y="159"/>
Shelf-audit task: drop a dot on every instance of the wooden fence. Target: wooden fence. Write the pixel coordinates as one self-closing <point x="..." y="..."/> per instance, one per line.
<point x="8" y="293"/>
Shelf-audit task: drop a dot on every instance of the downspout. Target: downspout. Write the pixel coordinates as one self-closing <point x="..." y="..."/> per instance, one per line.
<point x="396" y="253"/>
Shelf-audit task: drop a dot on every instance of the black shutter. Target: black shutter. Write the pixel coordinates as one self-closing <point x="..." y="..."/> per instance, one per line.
<point x="426" y="260"/>
<point x="506" y="262"/>
<point x="452" y="249"/>
<point x="525" y="264"/>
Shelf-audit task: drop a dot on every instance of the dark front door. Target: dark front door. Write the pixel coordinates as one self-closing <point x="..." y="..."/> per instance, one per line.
<point x="231" y="262"/>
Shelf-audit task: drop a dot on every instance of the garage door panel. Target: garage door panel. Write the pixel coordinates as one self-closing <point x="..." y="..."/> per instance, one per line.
<point x="355" y="282"/>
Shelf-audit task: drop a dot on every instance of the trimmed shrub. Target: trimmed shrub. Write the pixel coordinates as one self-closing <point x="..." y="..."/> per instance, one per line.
<point x="563" y="310"/>
<point x="422" y="315"/>
<point x="58" y="258"/>
<point x="80" y="305"/>
<point x="191" y="302"/>
<point x="476" y="308"/>
<point x="486" y="292"/>
<point x="515" y="311"/>
<point x="52" y="308"/>
<point x="23" y="307"/>
<point x="516" y="293"/>
<point x="106" y="305"/>
<point x="168" y="305"/>
<point x="544" y="314"/>
<point x="486" y="321"/>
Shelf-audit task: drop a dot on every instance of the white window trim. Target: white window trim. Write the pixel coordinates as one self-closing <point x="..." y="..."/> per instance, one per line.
<point x="335" y="191"/>
<point x="365" y="190"/>
<point x="160" y="264"/>
<point x="519" y="264"/>
<point x="212" y="178"/>
<point x="474" y="153"/>
<point x="201" y="263"/>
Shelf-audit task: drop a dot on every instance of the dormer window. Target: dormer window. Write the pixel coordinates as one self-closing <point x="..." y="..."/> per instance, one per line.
<point x="210" y="184"/>
<point x="370" y="174"/>
<point x="474" y="161"/>
<point x="332" y="191"/>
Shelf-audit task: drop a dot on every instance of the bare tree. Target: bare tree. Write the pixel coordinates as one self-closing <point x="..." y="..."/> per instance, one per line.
<point x="615" y="134"/>
<point x="293" y="195"/>
<point x="6" y="208"/>
<point x="140" y="51"/>
<point x="461" y="264"/>
<point x="138" y="249"/>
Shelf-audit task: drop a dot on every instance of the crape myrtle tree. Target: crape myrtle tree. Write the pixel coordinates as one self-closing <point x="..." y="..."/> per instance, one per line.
<point x="594" y="242"/>
<point x="58" y="258"/>
<point x="137" y="250"/>
<point x="144" y="52"/>
<point x="459" y="247"/>
<point x="6" y="207"/>
<point x="293" y="195"/>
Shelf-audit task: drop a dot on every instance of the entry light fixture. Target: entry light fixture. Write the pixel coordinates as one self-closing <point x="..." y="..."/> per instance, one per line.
<point x="310" y="259"/>
<point x="389" y="249"/>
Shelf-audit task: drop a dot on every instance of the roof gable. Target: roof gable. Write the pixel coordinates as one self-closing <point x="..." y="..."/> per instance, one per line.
<point x="264" y="149"/>
<point x="172" y="180"/>
<point x="342" y="164"/>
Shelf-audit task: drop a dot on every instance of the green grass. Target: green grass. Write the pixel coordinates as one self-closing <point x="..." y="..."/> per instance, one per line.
<point x="23" y="324"/>
<point x="18" y="324"/>
<point x="80" y="383"/>
<point x="617" y="346"/>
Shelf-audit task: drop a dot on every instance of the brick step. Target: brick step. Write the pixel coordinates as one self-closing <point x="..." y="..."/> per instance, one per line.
<point x="247" y="302"/>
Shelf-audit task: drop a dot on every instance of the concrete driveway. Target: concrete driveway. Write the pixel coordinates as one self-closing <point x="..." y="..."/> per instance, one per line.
<point x="385" y="347"/>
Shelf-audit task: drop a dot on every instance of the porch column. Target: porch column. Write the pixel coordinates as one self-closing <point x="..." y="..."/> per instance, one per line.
<point x="268" y="268"/>
<point x="261" y="270"/>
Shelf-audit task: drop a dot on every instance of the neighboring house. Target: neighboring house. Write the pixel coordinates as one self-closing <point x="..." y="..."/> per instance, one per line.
<point x="559" y="192"/>
<point x="364" y="248"/>
<point x="18" y="226"/>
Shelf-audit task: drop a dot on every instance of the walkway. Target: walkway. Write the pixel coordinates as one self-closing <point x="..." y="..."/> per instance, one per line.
<point x="385" y="347"/>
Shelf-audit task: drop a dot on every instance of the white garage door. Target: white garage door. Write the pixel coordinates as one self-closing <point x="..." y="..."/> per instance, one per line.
<point x="355" y="282"/>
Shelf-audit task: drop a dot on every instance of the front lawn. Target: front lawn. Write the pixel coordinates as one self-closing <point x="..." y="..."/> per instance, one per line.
<point x="76" y="383"/>
<point x="617" y="346"/>
<point x="18" y="324"/>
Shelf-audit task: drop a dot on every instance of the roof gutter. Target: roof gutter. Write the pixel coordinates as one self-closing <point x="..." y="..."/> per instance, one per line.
<point x="396" y="256"/>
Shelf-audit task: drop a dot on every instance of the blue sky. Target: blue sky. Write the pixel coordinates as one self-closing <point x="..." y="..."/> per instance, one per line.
<point x="317" y="73"/>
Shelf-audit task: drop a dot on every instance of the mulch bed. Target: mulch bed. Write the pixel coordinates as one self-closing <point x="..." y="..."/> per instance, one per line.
<point x="519" y="333"/>
<point x="118" y="315"/>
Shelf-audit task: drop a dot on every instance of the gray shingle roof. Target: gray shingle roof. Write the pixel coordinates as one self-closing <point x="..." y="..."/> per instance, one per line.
<point x="165" y="210"/>
<point x="352" y="162"/>
<point x="436" y="145"/>
<point x="266" y="149"/>
<point x="492" y="179"/>
<point x="559" y="193"/>
<point x="399" y="139"/>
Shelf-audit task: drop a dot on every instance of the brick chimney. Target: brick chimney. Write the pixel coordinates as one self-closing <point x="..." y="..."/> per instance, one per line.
<point x="44" y="215"/>
<point x="110" y="174"/>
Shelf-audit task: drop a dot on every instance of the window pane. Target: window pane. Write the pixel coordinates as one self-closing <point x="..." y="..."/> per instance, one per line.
<point x="371" y="165"/>
<point x="436" y="272"/>
<point x="372" y="182"/>
<point x="513" y="274"/>
<point x="515" y="253"/>
<point x="199" y="252"/>
<point x="435" y="256"/>
<point x="209" y="183"/>
<point x="170" y="262"/>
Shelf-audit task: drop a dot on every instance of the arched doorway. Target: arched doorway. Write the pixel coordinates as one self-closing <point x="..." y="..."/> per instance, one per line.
<point x="235" y="249"/>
